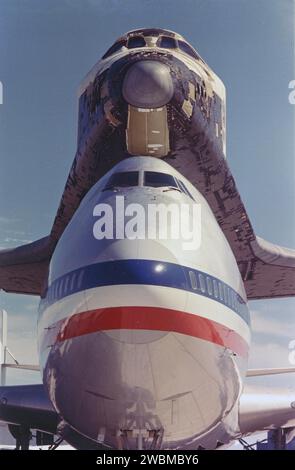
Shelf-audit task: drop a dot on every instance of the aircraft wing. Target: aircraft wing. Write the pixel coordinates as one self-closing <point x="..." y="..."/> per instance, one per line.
<point x="24" y="269"/>
<point x="264" y="409"/>
<point x="28" y="406"/>
<point x="269" y="371"/>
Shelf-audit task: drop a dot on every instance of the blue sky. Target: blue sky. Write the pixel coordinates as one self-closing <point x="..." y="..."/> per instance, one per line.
<point x="47" y="47"/>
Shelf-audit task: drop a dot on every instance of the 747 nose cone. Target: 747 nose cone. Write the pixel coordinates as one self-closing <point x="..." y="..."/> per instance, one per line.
<point x="148" y="84"/>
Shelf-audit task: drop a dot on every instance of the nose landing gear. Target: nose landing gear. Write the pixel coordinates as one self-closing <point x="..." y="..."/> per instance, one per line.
<point x="145" y="439"/>
<point x="22" y="435"/>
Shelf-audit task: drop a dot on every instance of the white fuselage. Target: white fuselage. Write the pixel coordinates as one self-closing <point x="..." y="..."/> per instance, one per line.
<point x="143" y="343"/>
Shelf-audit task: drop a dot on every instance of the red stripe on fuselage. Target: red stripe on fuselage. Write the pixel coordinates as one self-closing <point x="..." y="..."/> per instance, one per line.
<point x="151" y="318"/>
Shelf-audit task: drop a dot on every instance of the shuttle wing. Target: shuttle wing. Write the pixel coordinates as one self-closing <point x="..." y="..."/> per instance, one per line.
<point x="271" y="271"/>
<point x="268" y="270"/>
<point x="24" y="269"/>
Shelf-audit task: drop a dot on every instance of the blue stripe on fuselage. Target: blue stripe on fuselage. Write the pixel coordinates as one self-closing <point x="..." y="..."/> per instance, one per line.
<point x="148" y="272"/>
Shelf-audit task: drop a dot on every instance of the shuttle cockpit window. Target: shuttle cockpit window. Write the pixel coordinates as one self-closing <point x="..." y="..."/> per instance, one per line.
<point x="143" y="40"/>
<point x="115" y="48"/>
<point x="185" y="47"/>
<point x="167" y="42"/>
<point x="159" y="180"/>
<point x="122" y="180"/>
<point x="150" y="32"/>
<point x="136" y="41"/>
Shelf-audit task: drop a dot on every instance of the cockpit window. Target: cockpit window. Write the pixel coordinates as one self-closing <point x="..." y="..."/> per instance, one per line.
<point x="158" y="180"/>
<point x="184" y="47"/>
<point x="150" y="32"/>
<point x="122" y="180"/>
<point x="136" y="41"/>
<point x="166" y="42"/>
<point x="184" y="188"/>
<point x="115" y="48"/>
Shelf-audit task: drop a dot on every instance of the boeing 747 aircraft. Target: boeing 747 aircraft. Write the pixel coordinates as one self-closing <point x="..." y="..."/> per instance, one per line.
<point x="143" y="343"/>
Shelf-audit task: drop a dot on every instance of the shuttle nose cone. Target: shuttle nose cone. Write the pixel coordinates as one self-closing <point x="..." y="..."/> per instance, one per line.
<point x="148" y="84"/>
